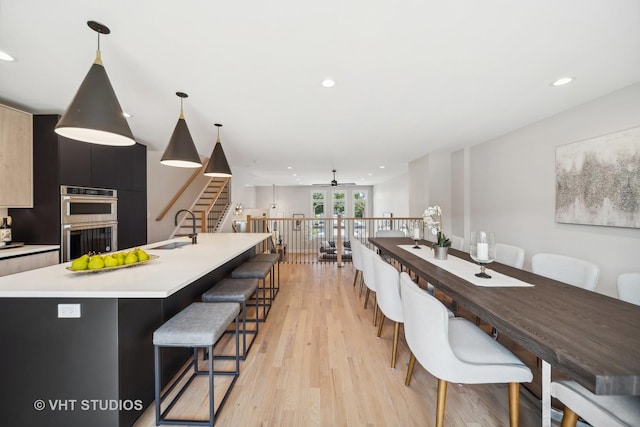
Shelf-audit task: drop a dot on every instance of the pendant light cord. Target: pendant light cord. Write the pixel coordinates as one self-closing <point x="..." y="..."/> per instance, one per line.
<point x="98" y="57"/>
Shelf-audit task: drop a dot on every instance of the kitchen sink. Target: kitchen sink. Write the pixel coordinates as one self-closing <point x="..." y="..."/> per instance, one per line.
<point x="172" y="245"/>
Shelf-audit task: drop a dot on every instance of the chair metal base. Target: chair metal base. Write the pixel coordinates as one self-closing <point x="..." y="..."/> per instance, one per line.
<point x="161" y="415"/>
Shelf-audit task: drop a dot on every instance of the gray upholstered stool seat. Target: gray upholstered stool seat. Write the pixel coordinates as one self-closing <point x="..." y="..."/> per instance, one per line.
<point x="252" y="270"/>
<point x="274" y="259"/>
<point x="200" y="325"/>
<point x="260" y="271"/>
<point x="239" y="291"/>
<point x="232" y="290"/>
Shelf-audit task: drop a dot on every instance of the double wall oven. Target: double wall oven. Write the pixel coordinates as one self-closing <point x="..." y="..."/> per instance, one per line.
<point x="89" y="221"/>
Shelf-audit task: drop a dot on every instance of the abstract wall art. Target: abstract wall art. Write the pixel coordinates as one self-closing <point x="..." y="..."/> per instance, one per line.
<point x="598" y="180"/>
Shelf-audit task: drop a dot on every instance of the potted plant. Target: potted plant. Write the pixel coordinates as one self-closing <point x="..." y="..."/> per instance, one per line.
<point x="432" y="217"/>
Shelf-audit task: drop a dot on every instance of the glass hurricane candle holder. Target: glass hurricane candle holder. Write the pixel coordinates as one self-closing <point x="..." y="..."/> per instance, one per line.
<point x="416" y="233"/>
<point x="483" y="250"/>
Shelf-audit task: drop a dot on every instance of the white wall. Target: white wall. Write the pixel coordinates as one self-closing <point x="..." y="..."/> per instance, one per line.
<point x="513" y="188"/>
<point x="297" y="199"/>
<point x="418" y="186"/>
<point x="241" y="192"/>
<point x="507" y="185"/>
<point x="392" y="196"/>
<point x="163" y="182"/>
<point x="460" y="194"/>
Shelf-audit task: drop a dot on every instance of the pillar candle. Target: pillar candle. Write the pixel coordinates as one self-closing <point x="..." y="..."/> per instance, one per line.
<point x="483" y="251"/>
<point x="416" y="233"/>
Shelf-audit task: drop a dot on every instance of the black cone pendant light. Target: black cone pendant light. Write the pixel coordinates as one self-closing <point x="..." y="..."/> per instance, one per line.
<point x="181" y="151"/>
<point x="218" y="165"/>
<point x="95" y="114"/>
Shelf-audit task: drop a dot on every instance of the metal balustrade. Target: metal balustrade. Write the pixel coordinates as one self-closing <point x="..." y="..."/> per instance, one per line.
<point x="322" y="240"/>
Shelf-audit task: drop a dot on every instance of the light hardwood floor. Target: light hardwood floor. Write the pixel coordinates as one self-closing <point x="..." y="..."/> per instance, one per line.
<point x="317" y="362"/>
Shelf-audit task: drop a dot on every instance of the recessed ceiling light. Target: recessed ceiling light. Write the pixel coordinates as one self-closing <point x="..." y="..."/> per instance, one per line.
<point x="289" y="167"/>
<point x="370" y="174"/>
<point x="328" y="83"/>
<point x="562" y="81"/>
<point x="6" y="57"/>
<point x="381" y="166"/>
<point x="127" y="115"/>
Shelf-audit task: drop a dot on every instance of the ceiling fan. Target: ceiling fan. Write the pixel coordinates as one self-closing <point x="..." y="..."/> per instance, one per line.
<point x="334" y="182"/>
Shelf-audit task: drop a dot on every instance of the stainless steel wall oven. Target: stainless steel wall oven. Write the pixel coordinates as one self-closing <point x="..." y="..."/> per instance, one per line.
<point x="89" y="221"/>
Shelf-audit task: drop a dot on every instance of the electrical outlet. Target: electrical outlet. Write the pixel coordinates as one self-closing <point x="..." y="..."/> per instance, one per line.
<point x="68" y="311"/>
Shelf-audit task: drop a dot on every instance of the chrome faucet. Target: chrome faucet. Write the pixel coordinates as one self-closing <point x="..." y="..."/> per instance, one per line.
<point x="194" y="234"/>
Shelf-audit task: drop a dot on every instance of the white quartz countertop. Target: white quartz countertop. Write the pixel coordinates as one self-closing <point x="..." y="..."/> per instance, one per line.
<point x="27" y="250"/>
<point x="159" y="278"/>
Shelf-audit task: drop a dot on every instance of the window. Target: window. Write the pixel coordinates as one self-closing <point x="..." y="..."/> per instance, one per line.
<point x="359" y="204"/>
<point x="317" y="208"/>
<point x="338" y="207"/>
<point x="338" y="203"/>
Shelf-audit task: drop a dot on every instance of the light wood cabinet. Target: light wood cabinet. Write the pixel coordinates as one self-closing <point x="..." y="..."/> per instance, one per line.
<point x="28" y="262"/>
<point x="16" y="158"/>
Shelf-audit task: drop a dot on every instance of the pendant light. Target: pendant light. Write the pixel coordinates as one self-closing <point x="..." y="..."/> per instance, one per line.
<point x="273" y="205"/>
<point x="218" y="165"/>
<point x="94" y="114"/>
<point x="181" y="151"/>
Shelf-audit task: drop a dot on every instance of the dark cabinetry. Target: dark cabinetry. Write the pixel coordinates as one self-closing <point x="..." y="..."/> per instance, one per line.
<point x="61" y="161"/>
<point x="132" y="218"/>
<point x="74" y="161"/>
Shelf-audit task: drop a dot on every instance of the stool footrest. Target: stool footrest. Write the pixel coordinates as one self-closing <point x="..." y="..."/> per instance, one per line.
<point x="200" y="325"/>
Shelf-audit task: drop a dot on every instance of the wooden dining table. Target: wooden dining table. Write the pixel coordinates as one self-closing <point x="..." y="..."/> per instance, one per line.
<point x="592" y="338"/>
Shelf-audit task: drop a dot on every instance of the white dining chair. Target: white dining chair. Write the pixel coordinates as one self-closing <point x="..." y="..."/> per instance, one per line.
<point x="412" y="357"/>
<point x="387" y="279"/>
<point x="597" y="410"/>
<point x="628" y="285"/>
<point x="389" y="233"/>
<point x="574" y="271"/>
<point x="510" y="255"/>
<point x="369" y="278"/>
<point x="455" y="350"/>
<point x="356" y="259"/>
<point x="457" y="242"/>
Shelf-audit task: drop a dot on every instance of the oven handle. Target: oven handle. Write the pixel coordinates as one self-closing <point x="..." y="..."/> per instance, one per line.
<point x="95" y="199"/>
<point x="86" y="225"/>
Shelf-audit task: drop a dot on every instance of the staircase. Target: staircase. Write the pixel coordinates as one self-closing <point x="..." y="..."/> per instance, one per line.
<point x="209" y="209"/>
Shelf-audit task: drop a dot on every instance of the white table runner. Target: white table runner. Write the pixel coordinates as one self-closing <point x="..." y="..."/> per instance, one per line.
<point x="465" y="269"/>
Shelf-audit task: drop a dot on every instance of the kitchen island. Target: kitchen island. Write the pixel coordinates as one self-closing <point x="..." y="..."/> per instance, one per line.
<point x="18" y="257"/>
<point x="97" y="369"/>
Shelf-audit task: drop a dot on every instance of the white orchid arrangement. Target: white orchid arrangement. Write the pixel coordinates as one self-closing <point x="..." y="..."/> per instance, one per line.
<point x="432" y="217"/>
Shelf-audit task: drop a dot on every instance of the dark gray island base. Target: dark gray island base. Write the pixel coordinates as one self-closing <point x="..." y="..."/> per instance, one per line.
<point x="96" y="370"/>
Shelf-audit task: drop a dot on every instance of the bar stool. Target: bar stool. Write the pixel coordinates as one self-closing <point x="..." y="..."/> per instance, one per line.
<point x="239" y="291"/>
<point x="274" y="259"/>
<point x="260" y="271"/>
<point x="200" y="325"/>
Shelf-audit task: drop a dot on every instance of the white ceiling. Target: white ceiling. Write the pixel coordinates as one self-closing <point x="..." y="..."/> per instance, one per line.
<point x="411" y="76"/>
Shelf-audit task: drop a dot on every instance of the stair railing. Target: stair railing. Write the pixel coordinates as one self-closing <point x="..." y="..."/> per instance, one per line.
<point x="182" y="189"/>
